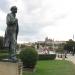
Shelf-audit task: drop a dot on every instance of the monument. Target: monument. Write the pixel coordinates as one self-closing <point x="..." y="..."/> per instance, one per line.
<point x="11" y="66"/>
<point x="11" y="33"/>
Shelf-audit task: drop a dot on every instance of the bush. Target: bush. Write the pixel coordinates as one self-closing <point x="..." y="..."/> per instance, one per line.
<point x="3" y="56"/>
<point x="47" y="56"/>
<point x="1" y="42"/>
<point x="29" y="57"/>
<point x="4" y="51"/>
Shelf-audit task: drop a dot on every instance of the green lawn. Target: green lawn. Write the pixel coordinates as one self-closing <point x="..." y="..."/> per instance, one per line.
<point x="54" y="67"/>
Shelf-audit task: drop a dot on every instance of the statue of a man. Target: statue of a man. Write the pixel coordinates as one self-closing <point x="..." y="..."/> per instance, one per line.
<point x="11" y="32"/>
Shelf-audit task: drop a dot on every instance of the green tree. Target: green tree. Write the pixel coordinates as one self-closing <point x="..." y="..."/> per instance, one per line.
<point x="1" y="42"/>
<point x="60" y="48"/>
<point x="70" y="46"/>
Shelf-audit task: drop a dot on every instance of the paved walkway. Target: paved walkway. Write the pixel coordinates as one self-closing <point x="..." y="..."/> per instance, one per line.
<point x="69" y="58"/>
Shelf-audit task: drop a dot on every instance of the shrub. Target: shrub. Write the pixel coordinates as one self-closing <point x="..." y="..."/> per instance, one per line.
<point x="3" y="56"/>
<point x="29" y="57"/>
<point x="4" y="51"/>
<point x="47" y="56"/>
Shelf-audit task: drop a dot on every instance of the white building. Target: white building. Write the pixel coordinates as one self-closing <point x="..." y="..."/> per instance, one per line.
<point x="50" y="43"/>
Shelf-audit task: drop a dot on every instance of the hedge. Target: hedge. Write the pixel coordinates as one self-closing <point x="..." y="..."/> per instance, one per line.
<point x="47" y="56"/>
<point x="4" y="51"/>
<point x="3" y="55"/>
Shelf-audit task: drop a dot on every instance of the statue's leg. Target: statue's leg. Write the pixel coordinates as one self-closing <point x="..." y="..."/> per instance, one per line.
<point x="13" y="47"/>
<point x="10" y="50"/>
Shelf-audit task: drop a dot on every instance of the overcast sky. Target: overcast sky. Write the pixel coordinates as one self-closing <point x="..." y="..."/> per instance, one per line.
<point x="41" y="18"/>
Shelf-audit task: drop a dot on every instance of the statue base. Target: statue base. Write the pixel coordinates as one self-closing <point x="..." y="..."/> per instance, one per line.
<point x="9" y="68"/>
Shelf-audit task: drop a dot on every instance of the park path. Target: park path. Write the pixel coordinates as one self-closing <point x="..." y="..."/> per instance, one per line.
<point x="69" y="58"/>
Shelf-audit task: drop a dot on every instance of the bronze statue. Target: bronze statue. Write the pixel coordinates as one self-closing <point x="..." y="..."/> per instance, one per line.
<point x="11" y="33"/>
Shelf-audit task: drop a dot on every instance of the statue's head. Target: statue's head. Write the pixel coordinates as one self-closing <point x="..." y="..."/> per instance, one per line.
<point x="13" y="9"/>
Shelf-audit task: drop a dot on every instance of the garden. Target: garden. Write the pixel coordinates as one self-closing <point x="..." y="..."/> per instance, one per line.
<point x="45" y="64"/>
<point x="34" y="64"/>
<point x="53" y="67"/>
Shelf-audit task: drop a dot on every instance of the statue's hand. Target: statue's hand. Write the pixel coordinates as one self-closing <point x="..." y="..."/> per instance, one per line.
<point x="16" y="21"/>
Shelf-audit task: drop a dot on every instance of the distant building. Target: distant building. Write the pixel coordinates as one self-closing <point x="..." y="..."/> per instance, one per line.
<point x="28" y="44"/>
<point x="59" y="42"/>
<point x="50" y="43"/>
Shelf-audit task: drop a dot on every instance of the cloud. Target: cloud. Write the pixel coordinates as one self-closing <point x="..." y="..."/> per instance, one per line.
<point x="2" y="22"/>
<point x="39" y="18"/>
<point x="34" y="15"/>
<point x="4" y="5"/>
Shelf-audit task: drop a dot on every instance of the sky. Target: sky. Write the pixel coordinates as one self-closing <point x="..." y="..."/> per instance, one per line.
<point x="38" y="19"/>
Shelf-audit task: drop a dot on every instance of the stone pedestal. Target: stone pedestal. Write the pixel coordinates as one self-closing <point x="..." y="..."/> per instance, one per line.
<point x="9" y="68"/>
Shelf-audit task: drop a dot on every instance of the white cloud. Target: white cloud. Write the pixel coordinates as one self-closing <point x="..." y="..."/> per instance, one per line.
<point x="2" y="22"/>
<point x="41" y="18"/>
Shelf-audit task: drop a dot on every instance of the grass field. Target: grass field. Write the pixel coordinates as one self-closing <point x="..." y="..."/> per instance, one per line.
<point x="55" y="67"/>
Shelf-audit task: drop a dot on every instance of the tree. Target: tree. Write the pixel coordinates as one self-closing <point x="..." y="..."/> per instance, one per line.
<point x="1" y="42"/>
<point x="70" y="46"/>
<point x="60" y="48"/>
